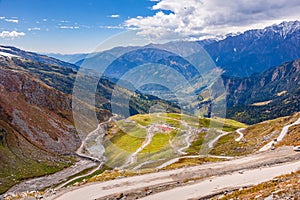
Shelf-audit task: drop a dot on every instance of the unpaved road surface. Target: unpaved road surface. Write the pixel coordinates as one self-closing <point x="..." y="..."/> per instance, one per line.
<point x="217" y="184"/>
<point x="239" y="131"/>
<point x="283" y="133"/>
<point x="212" y="142"/>
<point x="53" y="179"/>
<point x="284" y="158"/>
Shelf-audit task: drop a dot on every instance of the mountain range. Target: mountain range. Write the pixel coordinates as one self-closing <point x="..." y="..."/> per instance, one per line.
<point x="248" y="62"/>
<point x="37" y="132"/>
<point x="257" y="50"/>
<point x="241" y="55"/>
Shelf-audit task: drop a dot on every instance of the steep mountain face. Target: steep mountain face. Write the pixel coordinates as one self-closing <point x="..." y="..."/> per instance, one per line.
<point x="257" y="50"/>
<point x="15" y="52"/>
<point x="272" y="94"/>
<point x="35" y="126"/>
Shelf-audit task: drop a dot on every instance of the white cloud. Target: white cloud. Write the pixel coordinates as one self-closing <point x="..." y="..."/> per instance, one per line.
<point x="202" y="18"/>
<point x="2" y="17"/>
<point x="12" y="20"/>
<point x="11" y="35"/>
<point x="69" y="27"/>
<point x="34" y="29"/>
<point x="114" y="16"/>
<point x="113" y="27"/>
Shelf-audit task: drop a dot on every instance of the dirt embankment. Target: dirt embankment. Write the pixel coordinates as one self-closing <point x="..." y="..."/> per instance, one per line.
<point x="141" y="186"/>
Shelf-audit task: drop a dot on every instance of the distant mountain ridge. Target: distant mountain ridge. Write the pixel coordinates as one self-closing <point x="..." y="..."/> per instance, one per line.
<point x="13" y="51"/>
<point x="70" y="58"/>
<point x="257" y="50"/>
<point x="239" y="55"/>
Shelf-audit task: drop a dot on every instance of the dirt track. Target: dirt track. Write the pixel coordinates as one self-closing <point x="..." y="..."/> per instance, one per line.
<point x="53" y="179"/>
<point x="139" y="186"/>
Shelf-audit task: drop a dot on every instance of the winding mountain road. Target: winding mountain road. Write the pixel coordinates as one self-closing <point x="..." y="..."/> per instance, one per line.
<point x="239" y="131"/>
<point x="133" y="157"/>
<point x="283" y="133"/>
<point x="82" y="155"/>
<point x="256" y="168"/>
<point x="85" y="162"/>
<point x="187" y="138"/>
<point x="212" y="142"/>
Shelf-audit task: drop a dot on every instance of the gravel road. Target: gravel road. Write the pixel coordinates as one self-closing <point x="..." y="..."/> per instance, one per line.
<point x="284" y="157"/>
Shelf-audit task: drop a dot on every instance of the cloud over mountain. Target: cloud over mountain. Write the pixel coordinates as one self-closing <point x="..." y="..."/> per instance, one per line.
<point x="203" y="18"/>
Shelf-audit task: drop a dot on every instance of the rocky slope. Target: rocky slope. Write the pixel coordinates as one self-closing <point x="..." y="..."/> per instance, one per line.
<point x="272" y="94"/>
<point x="36" y="127"/>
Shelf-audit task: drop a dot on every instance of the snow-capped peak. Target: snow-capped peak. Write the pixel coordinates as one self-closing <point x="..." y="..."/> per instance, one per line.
<point x="285" y="28"/>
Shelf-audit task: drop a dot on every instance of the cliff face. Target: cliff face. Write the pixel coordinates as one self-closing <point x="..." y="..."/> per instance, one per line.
<point x="39" y="113"/>
<point x="36" y="128"/>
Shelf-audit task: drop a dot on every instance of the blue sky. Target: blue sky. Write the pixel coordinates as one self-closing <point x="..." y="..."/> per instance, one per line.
<point x="66" y="26"/>
<point x="75" y="26"/>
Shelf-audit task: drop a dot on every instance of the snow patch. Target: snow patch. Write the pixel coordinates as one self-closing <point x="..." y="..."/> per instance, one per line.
<point x="8" y="55"/>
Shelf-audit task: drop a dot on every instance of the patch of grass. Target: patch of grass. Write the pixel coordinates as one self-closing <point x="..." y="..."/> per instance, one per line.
<point x="119" y="147"/>
<point x="132" y="129"/>
<point x="10" y="177"/>
<point x="159" y="141"/>
<point x="174" y="116"/>
<point x="143" y="120"/>
<point x="127" y="142"/>
<point x="197" y="144"/>
<point x="226" y="146"/>
<point x="174" y="123"/>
